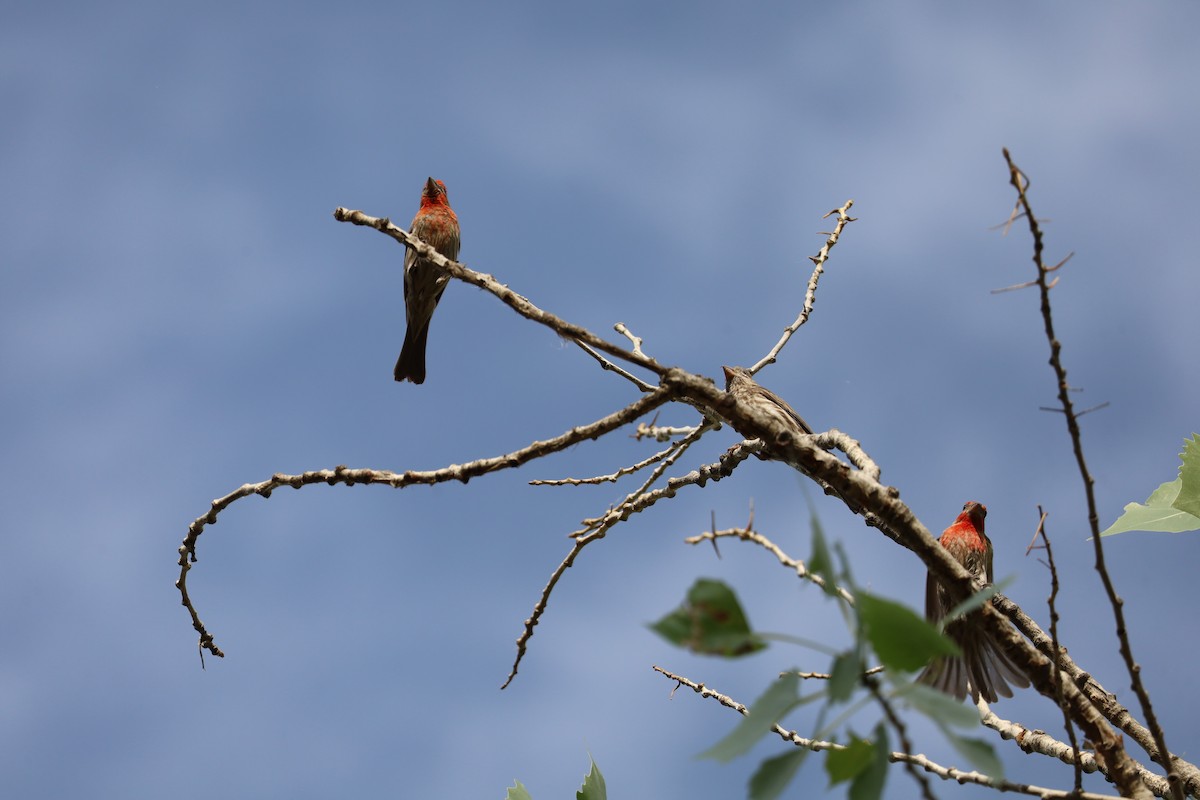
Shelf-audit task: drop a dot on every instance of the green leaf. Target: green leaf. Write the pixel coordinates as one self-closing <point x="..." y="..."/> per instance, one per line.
<point x="1188" y="500"/>
<point x="517" y="792"/>
<point x="939" y="707"/>
<point x="1157" y="514"/>
<point x="901" y="639"/>
<point x="849" y="762"/>
<point x="868" y="784"/>
<point x="820" y="562"/>
<point x="844" y="676"/>
<point x="977" y="600"/>
<point x="945" y="711"/>
<point x="774" y="774"/>
<point x="593" y="785"/>
<point x="710" y="622"/>
<point x="978" y="752"/>
<point x="780" y="697"/>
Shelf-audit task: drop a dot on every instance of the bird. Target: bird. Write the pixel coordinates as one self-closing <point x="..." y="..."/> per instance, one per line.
<point x="436" y="224"/>
<point x="983" y="669"/>
<point x="741" y="384"/>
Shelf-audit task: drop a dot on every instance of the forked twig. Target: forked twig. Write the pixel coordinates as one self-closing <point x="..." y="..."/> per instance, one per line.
<point x="397" y="480"/>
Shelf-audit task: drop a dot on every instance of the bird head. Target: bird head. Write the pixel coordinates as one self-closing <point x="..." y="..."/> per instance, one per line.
<point x="974" y="512"/>
<point x="434" y="192"/>
<point x="733" y="374"/>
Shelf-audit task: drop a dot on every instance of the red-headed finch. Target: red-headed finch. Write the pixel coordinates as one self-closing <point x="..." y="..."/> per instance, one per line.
<point x="983" y="669"/>
<point x="436" y="225"/>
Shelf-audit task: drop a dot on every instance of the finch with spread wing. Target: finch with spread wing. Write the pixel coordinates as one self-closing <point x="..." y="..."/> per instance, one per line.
<point x="983" y="669"/>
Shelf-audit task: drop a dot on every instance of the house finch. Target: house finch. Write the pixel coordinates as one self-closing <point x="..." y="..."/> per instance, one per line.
<point x="983" y="669"/>
<point x="740" y="383"/>
<point x="436" y="225"/>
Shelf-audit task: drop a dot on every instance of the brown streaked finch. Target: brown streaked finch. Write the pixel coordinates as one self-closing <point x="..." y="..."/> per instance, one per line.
<point x="741" y="384"/>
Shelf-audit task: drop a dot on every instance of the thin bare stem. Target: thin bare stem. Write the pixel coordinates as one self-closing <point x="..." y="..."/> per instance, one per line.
<point x="748" y="534"/>
<point x="1051" y="603"/>
<point x="610" y="366"/>
<point x="810" y="295"/>
<point x="824" y="676"/>
<point x="636" y="341"/>
<point x="673" y="452"/>
<point x="897" y="724"/>
<point x="539" y="608"/>
<point x="1164" y="757"/>
<point x="598" y="528"/>
<point x="932" y="767"/>
<point x="397" y="480"/>
<point x="516" y="302"/>
<point x="661" y="433"/>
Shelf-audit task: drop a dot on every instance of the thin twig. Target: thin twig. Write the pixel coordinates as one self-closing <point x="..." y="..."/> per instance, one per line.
<point x="945" y="773"/>
<point x="748" y="534"/>
<point x="1165" y="759"/>
<point x="539" y="607"/>
<point x="636" y="500"/>
<point x="397" y="480"/>
<point x="661" y="433"/>
<point x="598" y="528"/>
<point x="516" y="302"/>
<point x="810" y="294"/>
<point x="824" y="676"/>
<point x="636" y="341"/>
<point x="897" y="724"/>
<point x="610" y="366"/>
<point x="1050" y="601"/>
<point x="675" y="449"/>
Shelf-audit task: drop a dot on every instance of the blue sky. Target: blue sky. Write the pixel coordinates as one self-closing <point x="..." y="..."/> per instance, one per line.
<point x="181" y="314"/>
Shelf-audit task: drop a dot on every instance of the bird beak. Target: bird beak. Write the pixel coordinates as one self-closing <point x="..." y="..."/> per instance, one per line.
<point x="430" y="186"/>
<point x="728" y="374"/>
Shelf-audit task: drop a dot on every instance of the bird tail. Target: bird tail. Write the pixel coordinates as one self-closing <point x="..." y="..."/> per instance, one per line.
<point x="411" y="364"/>
<point x="983" y="670"/>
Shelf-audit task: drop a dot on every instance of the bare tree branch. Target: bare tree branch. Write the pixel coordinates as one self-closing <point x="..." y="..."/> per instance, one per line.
<point x="748" y="534"/>
<point x="675" y="449"/>
<point x="1042" y="743"/>
<point x="599" y="527"/>
<point x="1164" y="757"/>
<point x="872" y="684"/>
<point x="810" y="295"/>
<point x="893" y="517"/>
<point x="1057" y="649"/>
<point x="1104" y="700"/>
<point x="945" y="773"/>
<point x="486" y="282"/>
<point x="397" y="480"/>
<point x="855" y="480"/>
